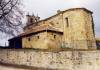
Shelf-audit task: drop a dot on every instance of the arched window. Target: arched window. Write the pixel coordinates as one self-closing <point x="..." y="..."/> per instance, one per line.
<point x="54" y="36"/>
<point x="67" y="23"/>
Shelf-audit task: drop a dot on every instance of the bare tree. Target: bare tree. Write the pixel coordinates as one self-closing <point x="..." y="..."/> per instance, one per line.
<point x="10" y="16"/>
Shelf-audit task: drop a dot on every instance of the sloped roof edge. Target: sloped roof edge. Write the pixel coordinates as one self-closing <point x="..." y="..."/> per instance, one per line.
<point x="71" y="9"/>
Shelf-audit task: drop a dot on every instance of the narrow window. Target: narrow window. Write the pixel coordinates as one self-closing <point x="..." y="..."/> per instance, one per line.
<point x="67" y="24"/>
<point x="54" y="36"/>
<point x="29" y="39"/>
<point x="38" y="37"/>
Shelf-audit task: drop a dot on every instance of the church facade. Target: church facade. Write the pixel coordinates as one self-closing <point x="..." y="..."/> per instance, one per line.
<point x="72" y="29"/>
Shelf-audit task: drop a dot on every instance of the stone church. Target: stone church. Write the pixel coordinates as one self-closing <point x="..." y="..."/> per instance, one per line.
<point x="69" y="29"/>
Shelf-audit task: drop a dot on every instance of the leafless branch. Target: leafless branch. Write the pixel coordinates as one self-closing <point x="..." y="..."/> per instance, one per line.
<point x="10" y="16"/>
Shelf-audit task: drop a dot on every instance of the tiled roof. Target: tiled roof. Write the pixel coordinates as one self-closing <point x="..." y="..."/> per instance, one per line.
<point x="45" y="27"/>
<point x="40" y="28"/>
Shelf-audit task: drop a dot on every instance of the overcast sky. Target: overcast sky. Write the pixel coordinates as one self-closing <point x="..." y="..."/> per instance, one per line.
<point x="46" y="8"/>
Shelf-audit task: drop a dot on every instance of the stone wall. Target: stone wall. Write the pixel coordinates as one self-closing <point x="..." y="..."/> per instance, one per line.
<point x="35" y="41"/>
<point x="63" y="60"/>
<point x="43" y="40"/>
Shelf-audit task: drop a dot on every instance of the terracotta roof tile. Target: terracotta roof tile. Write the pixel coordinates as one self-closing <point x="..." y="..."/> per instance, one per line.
<point x="40" y="28"/>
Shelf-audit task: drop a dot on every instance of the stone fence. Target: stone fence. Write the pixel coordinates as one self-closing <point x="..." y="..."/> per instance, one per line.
<point x="62" y="60"/>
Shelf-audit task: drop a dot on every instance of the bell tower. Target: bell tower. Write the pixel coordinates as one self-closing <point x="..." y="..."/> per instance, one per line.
<point x="32" y="19"/>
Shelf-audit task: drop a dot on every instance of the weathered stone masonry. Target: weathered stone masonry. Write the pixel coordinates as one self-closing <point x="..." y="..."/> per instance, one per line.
<point x="63" y="60"/>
